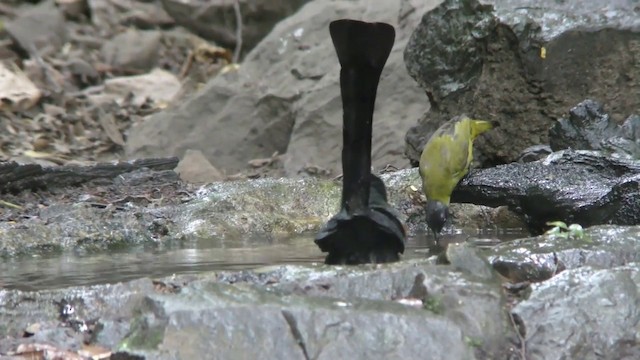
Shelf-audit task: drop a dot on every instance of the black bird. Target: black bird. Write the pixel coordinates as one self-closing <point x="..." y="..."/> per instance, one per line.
<point x="366" y="229"/>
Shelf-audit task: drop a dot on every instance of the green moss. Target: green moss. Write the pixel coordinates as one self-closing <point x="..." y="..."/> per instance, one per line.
<point x="433" y="304"/>
<point x="472" y="342"/>
<point x="142" y="336"/>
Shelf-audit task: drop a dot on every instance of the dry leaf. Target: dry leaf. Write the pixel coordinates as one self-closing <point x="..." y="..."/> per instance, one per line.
<point x="110" y="127"/>
<point x="44" y="351"/>
<point x="94" y="352"/>
<point x="205" y="52"/>
<point x="40" y="143"/>
<point x="45" y="156"/>
<point x="17" y="92"/>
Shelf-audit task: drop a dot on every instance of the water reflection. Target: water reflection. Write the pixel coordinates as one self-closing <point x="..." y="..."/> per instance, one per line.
<point x="75" y="268"/>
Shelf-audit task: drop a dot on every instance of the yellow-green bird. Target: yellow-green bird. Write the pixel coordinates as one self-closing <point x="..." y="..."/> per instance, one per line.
<point x="445" y="160"/>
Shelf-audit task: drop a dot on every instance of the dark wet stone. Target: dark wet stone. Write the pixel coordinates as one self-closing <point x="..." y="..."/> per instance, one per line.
<point x="534" y="153"/>
<point x="583" y="187"/>
<point x="590" y="127"/>
<point x="540" y="258"/>
<point x="583" y="313"/>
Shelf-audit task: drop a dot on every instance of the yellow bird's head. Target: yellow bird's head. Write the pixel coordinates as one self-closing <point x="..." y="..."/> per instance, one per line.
<point x="437" y="215"/>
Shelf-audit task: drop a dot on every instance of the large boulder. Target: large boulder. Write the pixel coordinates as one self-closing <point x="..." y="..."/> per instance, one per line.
<point x="523" y="63"/>
<point x="285" y="97"/>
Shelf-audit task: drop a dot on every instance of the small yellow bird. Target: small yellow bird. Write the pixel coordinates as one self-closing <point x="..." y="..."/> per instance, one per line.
<point x="445" y="160"/>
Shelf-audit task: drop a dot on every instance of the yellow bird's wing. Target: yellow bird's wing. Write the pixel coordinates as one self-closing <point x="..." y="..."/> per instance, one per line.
<point x="445" y="159"/>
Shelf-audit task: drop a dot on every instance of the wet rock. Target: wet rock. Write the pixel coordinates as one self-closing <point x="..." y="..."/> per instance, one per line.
<point x="585" y="127"/>
<point x="590" y="127"/>
<point x="284" y="98"/>
<point x="157" y="319"/>
<point x="109" y="303"/>
<point x="133" y="50"/>
<point x="540" y="258"/>
<point x="40" y="28"/>
<point x="17" y="92"/>
<point x="584" y="187"/>
<point x="465" y="257"/>
<point x="522" y="63"/>
<point x="229" y="210"/>
<point x="534" y="153"/>
<point x="454" y="293"/>
<point x="583" y="313"/>
<point x="627" y="143"/>
<point x="216" y="20"/>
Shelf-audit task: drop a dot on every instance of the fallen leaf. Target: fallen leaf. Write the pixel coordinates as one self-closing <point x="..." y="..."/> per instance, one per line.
<point x="110" y="127"/>
<point x="17" y="92"/>
<point x="45" y="156"/>
<point x="94" y="352"/>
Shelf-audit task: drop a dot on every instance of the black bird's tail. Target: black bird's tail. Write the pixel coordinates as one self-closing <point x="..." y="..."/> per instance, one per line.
<point x="367" y="228"/>
<point x="362" y="49"/>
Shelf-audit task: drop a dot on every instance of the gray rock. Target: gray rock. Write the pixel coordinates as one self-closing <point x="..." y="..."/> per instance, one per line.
<point x="41" y="27"/>
<point x="285" y="97"/>
<point x="265" y="317"/>
<point x="216" y="20"/>
<point x="589" y="127"/>
<point x="627" y="143"/>
<point x="584" y="187"/>
<point x="583" y="314"/>
<point x="585" y="127"/>
<point x="539" y="258"/>
<point x="534" y="153"/>
<point x="522" y="63"/>
<point x="132" y="50"/>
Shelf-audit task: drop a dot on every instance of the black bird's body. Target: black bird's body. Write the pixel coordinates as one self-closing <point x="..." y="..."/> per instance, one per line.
<point x="366" y="229"/>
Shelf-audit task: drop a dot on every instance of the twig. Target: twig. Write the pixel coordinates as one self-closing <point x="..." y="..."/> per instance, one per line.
<point x="46" y="70"/>
<point x="236" y="52"/>
<point x="186" y="66"/>
<point x="11" y="205"/>
<point x="523" y="342"/>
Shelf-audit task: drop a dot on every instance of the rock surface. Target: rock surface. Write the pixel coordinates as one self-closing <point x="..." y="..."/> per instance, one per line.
<point x="133" y="50"/>
<point x="540" y="258"/>
<point x="398" y="310"/>
<point x="182" y="317"/>
<point x="525" y="63"/>
<point x="589" y="127"/>
<point x="285" y="97"/>
<point x="216" y="20"/>
<point x="584" y="187"/>
<point x="162" y="210"/>
<point x="584" y="313"/>
<point x="584" y="300"/>
<point x="39" y="28"/>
